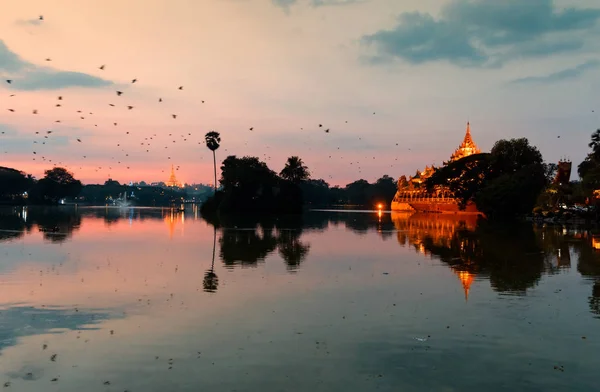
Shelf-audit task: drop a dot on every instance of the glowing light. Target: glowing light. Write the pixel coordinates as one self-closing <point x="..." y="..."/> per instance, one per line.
<point x="380" y="206"/>
<point x="596" y="243"/>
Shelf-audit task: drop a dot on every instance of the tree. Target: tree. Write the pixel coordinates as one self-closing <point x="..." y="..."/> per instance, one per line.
<point x="382" y="191"/>
<point x="58" y="183"/>
<point x="248" y="185"/>
<point x="594" y="144"/>
<point x="213" y="141"/>
<point x="295" y="170"/>
<point x="111" y="182"/>
<point x="464" y="177"/>
<point x="589" y="169"/>
<point x="14" y="183"/>
<point x="357" y="192"/>
<point x="508" y="156"/>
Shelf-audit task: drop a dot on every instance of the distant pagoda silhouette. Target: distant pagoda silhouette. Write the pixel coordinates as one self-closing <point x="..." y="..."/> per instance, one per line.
<point x="173" y="179"/>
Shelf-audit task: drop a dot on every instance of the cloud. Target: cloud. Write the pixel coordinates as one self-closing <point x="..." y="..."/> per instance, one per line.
<point x="45" y="79"/>
<point x="29" y="22"/>
<point x="10" y="61"/>
<point x="27" y="76"/>
<point x="481" y="33"/>
<point x="286" y="4"/>
<point x="569" y="73"/>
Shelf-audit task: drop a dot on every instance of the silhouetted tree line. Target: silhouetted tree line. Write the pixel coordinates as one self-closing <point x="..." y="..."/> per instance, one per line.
<point x="142" y="195"/>
<point x="318" y="193"/>
<point x="17" y="187"/>
<point x="250" y="186"/>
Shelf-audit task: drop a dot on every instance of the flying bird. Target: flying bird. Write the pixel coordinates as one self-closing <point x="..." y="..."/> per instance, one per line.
<point x="8" y="81"/>
<point x="119" y="93"/>
<point x="181" y="87"/>
<point x="174" y="115"/>
<point x="159" y="99"/>
<point x="129" y="107"/>
<point x="41" y="17"/>
<point x="35" y="111"/>
<point x="101" y="67"/>
<point x="11" y="110"/>
<point x="134" y="80"/>
<point x="48" y="59"/>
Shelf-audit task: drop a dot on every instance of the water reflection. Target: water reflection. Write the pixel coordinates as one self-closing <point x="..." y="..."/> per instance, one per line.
<point x="331" y="300"/>
<point x="211" y="280"/>
<point x="248" y="241"/>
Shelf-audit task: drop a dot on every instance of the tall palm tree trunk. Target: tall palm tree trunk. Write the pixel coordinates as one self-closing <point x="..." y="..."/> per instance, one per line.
<point x="215" y="167"/>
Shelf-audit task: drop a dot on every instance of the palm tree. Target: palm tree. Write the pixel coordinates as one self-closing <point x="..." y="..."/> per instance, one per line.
<point x="595" y="143"/>
<point x="295" y="170"/>
<point x="213" y="141"/>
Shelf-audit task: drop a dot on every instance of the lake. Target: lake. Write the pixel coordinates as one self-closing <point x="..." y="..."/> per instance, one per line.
<point x="108" y="299"/>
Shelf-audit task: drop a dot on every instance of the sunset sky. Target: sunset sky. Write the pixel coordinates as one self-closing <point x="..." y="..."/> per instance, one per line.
<point x="394" y="81"/>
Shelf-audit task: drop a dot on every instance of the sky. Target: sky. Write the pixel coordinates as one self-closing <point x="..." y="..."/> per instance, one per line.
<point x="395" y="82"/>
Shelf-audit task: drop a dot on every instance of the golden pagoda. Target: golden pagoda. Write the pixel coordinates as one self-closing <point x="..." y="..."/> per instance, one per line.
<point x="173" y="179"/>
<point x="468" y="147"/>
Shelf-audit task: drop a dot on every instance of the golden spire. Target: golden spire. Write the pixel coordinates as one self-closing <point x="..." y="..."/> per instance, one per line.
<point x="172" y="178"/>
<point x="468" y="146"/>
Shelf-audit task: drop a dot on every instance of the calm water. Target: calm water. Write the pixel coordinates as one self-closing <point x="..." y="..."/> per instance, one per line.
<point x="119" y="300"/>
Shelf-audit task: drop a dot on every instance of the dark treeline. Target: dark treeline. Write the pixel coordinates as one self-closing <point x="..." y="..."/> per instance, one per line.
<point x="18" y="188"/>
<point x="318" y="193"/>
<point x="248" y="185"/>
<point x="138" y="195"/>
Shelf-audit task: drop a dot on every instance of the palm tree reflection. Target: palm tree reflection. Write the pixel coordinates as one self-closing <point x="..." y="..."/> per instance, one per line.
<point x="291" y="249"/>
<point x="211" y="280"/>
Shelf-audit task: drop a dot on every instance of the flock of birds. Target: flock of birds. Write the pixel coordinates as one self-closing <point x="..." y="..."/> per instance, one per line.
<point x="161" y="146"/>
<point x="123" y="159"/>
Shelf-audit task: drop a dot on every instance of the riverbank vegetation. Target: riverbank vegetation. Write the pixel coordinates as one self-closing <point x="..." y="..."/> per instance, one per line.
<point x="58" y="184"/>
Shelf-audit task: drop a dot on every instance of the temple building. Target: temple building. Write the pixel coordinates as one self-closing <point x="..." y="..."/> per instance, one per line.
<point x="173" y="179"/>
<point x="412" y="195"/>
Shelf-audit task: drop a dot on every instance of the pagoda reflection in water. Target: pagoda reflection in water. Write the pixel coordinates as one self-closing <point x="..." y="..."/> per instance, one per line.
<point x="430" y="234"/>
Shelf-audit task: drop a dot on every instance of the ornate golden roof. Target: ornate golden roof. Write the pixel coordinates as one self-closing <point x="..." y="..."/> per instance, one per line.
<point x="468" y="147"/>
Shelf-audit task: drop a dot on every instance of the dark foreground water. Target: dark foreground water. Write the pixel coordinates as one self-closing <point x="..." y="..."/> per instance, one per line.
<point x="119" y="300"/>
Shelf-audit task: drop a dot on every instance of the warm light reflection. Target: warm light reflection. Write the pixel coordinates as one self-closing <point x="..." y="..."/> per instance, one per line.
<point x="466" y="279"/>
<point x="438" y="230"/>
<point x="596" y="242"/>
